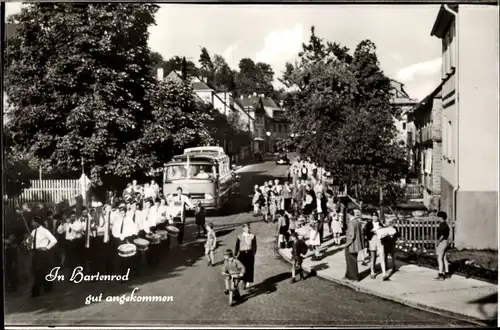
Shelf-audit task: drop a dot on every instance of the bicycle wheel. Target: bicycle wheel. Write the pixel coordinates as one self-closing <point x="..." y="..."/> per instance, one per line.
<point x="231" y="296"/>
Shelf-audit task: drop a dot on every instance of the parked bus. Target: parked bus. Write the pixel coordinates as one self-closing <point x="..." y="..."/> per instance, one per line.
<point x="204" y="174"/>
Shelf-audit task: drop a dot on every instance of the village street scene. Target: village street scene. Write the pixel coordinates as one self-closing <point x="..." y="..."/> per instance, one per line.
<point x="195" y="165"/>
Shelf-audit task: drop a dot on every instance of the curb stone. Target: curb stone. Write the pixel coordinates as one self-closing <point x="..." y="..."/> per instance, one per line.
<point x="401" y="301"/>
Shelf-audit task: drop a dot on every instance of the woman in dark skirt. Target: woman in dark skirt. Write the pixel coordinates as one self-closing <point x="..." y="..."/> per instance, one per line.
<point x="245" y="250"/>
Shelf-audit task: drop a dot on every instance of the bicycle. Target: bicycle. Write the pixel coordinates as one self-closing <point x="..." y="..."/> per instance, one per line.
<point x="233" y="287"/>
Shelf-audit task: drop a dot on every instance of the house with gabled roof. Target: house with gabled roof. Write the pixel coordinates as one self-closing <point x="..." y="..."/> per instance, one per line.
<point x="271" y="124"/>
<point x="222" y="101"/>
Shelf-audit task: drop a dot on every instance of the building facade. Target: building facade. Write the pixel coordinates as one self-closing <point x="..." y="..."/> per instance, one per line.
<point x="225" y="104"/>
<point x="469" y="180"/>
<point x="401" y="99"/>
<point x="426" y="144"/>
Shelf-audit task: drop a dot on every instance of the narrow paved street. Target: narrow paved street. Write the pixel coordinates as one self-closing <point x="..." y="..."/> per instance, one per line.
<point x="197" y="290"/>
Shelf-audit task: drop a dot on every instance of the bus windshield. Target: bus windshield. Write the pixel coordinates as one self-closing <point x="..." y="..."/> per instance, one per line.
<point x="195" y="171"/>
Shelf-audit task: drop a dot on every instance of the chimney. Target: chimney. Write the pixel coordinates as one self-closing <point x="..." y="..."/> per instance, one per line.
<point x="254" y="94"/>
<point x="159" y="74"/>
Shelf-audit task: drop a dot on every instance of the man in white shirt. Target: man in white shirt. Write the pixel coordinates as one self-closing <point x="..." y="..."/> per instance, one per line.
<point x="202" y="174"/>
<point x="148" y="191"/>
<point x="156" y="188"/>
<point x="183" y="202"/>
<point x="41" y="241"/>
<point x="72" y="229"/>
<point x="123" y="230"/>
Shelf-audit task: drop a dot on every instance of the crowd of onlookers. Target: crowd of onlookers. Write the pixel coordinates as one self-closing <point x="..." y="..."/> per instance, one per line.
<point x="307" y="198"/>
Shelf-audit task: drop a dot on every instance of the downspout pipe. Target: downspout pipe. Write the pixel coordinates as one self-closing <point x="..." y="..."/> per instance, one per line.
<point x="457" y="104"/>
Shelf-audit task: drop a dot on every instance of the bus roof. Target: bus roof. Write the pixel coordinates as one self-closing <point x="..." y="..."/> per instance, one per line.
<point x="200" y="157"/>
<point x="192" y="162"/>
<point x="219" y="151"/>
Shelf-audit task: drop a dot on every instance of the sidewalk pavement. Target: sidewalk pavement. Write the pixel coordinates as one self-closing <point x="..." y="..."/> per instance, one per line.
<point x="459" y="297"/>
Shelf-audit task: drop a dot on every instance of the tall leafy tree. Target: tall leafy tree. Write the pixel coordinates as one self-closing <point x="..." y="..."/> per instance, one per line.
<point x="340" y="105"/>
<point x="224" y="79"/>
<point x="207" y="66"/>
<point x="79" y="75"/>
<point x="254" y="78"/>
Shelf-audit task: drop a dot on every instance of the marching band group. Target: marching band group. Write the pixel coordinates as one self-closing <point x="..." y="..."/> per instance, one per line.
<point x="110" y="238"/>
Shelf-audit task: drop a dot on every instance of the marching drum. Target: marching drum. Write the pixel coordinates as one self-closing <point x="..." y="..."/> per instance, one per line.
<point x="172" y="230"/>
<point x="127" y="250"/>
<point x="142" y="244"/>
<point x="153" y="238"/>
<point x="163" y="234"/>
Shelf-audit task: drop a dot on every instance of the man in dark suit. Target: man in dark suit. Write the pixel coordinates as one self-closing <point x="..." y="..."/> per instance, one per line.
<point x="354" y="244"/>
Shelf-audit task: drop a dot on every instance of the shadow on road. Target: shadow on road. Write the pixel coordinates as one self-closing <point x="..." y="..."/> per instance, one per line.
<point x="269" y="285"/>
<point x="487" y="300"/>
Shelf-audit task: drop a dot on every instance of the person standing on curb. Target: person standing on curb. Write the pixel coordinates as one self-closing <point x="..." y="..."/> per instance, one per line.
<point x="299" y="251"/>
<point x="443" y="234"/>
<point x="354" y="244"/>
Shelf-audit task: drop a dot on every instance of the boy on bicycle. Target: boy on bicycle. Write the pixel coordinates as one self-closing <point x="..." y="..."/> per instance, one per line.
<point x="232" y="267"/>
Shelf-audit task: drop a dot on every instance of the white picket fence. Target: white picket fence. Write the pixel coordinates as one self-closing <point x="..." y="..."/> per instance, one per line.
<point x="43" y="195"/>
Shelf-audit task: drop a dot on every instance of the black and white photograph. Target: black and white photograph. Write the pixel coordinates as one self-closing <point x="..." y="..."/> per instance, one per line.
<point x="250" y="165"/>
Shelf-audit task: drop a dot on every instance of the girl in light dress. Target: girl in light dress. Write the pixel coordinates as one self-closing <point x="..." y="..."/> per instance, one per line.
<point x="336" y="226"/>
<point x="314" y="239"/>
<point x="273" y="207"/>
<point x="255" y="201"/>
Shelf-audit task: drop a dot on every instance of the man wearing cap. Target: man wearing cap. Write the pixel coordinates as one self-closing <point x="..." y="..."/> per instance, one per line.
<point x="234" y="267"/>
<point x="184" y="202"/>
<point x="41" y="241"/>
<point x="123" y="229"/>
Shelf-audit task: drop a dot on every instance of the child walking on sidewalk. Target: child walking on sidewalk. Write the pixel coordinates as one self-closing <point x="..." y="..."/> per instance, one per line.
<point x="256" y="201"/>
<point x="336" y="227"/>
<point x="314" y="241"/>
<point x="210" y="244"/>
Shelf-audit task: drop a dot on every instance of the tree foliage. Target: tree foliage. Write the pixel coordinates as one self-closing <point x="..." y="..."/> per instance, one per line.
<point x="254" y="78"/>
<point x="17" y="168"/>
<point x="79" y="77"/>
<point x="187" y="68"/>
<point x="340" y="107"/>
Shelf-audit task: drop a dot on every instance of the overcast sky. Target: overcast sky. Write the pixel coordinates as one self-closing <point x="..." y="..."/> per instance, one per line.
<point x="274" y="34"/>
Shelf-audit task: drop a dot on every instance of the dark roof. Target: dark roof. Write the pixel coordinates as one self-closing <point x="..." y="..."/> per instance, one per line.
<point x="200" y="86"/>
<point x="443" y="21"/>
<point x="247" y="101"/>
<point x="434" y="93"/>
<point x="269" y="102"/>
